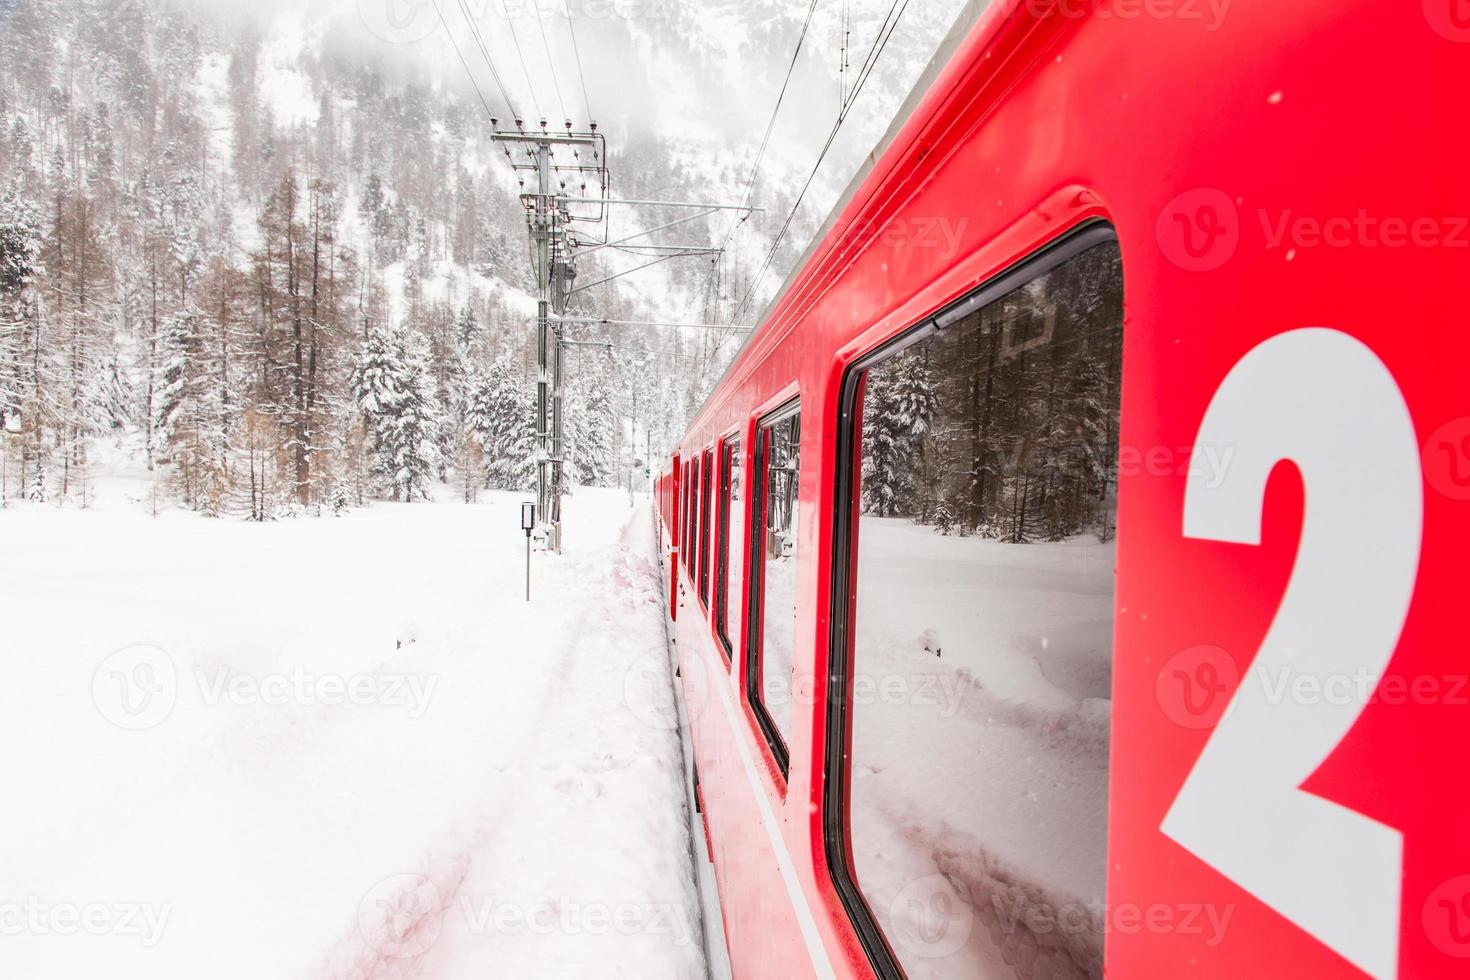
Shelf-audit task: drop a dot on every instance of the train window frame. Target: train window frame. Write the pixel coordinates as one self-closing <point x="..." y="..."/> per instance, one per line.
<point x="722" y="553"/>
<point x="706" y="459"/>
<point x="755" y="586"/>
<point x="692" y="551"/>
<point x="842" y="584"/>
<point x="689" y="471"/>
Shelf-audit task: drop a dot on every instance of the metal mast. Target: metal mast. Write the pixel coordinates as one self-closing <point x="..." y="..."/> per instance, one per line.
<point x="551" y="211"/>
<point x="548" y="216"/>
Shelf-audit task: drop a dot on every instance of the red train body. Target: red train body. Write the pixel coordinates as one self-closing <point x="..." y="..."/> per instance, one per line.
<point x="1285" y="184"/>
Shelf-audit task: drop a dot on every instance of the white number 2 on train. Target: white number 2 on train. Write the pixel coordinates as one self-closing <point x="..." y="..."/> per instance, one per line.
<point x="1327" y="403"/>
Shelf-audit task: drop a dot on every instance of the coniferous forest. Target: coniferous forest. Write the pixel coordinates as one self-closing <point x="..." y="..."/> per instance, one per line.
<point x="275" y="304"/>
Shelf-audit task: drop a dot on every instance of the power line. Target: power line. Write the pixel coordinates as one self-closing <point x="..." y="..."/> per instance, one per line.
<point x="484" y="53"/>
<point x="628" y="272"/>
<point x="755" y="167"/>
<point x="845" y="33"/>
<point x="876" y="49"/>
<point x="780" y="97"/>
<point x="550" y="64"/>
<point x="530" y="89"/>
<point x="455" y="44"/>
<point x="610" y="346"/>
<point x="576" y="51"/>
<point x="864" y="73"/>
<point x="604" y="321"/>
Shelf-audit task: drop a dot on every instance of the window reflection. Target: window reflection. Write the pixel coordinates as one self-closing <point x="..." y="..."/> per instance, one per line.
<point x="705" y="472"/>
<point x="782" y="465"/>
<point x="728" y="590"/>
<point x="982" y="632"/>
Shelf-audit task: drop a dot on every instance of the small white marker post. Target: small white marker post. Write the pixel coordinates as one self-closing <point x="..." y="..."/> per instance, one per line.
<point x="528" y="523"/>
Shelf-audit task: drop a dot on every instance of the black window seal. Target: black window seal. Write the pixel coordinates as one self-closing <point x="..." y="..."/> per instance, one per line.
<point x="836" y="772"/>
<point x="755" y="587"/>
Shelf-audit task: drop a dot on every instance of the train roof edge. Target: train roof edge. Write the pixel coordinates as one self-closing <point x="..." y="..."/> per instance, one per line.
<point x="961" y="29"/>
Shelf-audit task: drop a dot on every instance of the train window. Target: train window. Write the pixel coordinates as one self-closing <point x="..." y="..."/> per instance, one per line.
<point x="977" y="520"/>
<point x="688" y="512"/>
<point x="728" y="574"/>
<point x="771" y="633"/>
<point x="705" y="476"/>
<point x="691" y="523"/>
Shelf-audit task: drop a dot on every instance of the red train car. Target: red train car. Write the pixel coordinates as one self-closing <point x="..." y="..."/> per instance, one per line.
<point x="1069" y="572"/>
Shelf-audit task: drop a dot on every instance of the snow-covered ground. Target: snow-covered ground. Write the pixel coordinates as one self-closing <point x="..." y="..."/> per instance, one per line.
<point x="339" y="747"/>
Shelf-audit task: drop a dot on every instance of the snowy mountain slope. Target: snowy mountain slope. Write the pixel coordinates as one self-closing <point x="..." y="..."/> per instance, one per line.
<point x="219" y="206"/>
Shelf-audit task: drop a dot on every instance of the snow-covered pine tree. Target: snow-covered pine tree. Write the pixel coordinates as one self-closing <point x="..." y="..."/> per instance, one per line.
<point x="20" y="264"/>
<point x="113" y="393"/>
<point x="177" y="340"/>
<point x="637" y="370"/>
<point x="944" y="519"/>
<point x="39" y="491"/>
<point x="375" y="388"/>
<point x="188" y="428"/>
<point x="475" y="421"/>
<point x="20" y="246"/>
<point x="394" y="392"/>
<point x="592" y="437"/>
<point x="467" y="332"/>
<point x="508" y="418"/>
<point x="416" y="427"/>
